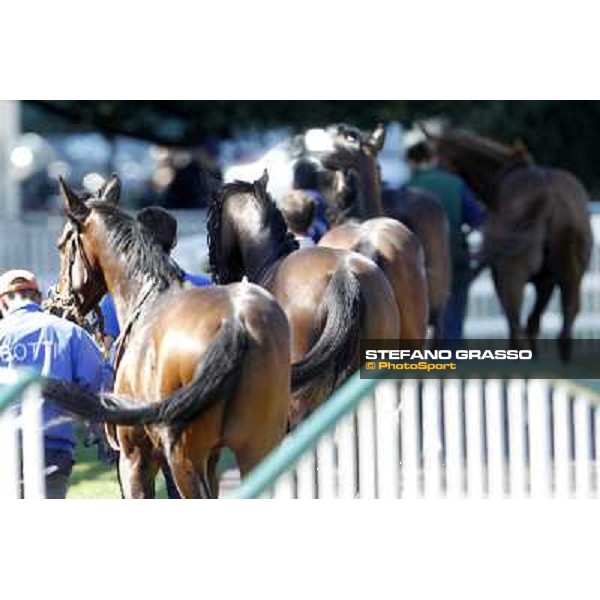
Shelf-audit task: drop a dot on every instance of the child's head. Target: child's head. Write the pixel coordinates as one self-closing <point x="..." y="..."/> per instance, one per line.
<point x="298" y="210"/>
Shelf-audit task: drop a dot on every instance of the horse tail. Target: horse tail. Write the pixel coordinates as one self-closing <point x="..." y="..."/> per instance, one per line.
<point x="214" y="379"/>
<point x="366" y="248"/>
<point x="335" y="353"/>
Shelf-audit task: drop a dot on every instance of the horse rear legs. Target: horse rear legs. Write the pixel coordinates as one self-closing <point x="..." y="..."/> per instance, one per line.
<point x="510" y="288"/>
<point x="138" y="465"/>
<point x="543" y="293"/>
<point x="569" y="295"/>
<point x="196" y="478"/>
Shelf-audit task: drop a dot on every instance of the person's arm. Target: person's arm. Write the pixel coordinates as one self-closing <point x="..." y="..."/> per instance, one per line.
<point x="473" y="211"/>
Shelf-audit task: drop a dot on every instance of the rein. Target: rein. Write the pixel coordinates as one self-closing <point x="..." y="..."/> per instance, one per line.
<point x="125" y="334"/>
<point x="71" y="305"/>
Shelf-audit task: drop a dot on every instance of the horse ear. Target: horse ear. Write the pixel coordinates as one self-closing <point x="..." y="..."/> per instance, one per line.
<point x="263" y="181"/>
<point x="74" y="205"/>
<point x="111" y="190"/>
<point x="377" y="137"/>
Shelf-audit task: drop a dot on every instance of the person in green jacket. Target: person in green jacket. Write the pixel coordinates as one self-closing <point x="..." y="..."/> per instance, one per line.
<point x="462" y="209"/>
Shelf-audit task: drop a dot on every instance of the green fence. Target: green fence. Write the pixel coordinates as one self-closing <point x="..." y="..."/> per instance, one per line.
<point x="10" y="393"/>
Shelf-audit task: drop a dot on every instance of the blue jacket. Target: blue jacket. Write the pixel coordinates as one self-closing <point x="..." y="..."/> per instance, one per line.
<point x="56" y="348"/>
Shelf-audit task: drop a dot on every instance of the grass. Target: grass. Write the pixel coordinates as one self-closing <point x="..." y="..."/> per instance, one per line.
<point x="94" y="480"/>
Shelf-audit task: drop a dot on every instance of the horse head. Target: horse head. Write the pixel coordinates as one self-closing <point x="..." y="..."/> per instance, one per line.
<point x="246" y="231"/>
<point x="81" y="282"/>
<point x="347" y="144"/>
<point x="352" y="154"/>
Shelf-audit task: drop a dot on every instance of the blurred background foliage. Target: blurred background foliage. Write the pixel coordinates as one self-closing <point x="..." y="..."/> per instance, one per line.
<point x="558" y="133"/>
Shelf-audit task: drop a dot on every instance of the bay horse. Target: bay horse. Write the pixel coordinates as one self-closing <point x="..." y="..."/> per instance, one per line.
<point x="197" y="369"/>
<point x="422" y="214"/>
<point x="332" y="298"/>
<point x="537" y="230"/>
<point x="411" y="244"/>
<point x="395" y="249"/>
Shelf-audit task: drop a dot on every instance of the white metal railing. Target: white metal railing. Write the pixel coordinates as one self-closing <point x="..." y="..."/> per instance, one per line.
<point x="21" y="439"/>
<point x="453" y="439"/>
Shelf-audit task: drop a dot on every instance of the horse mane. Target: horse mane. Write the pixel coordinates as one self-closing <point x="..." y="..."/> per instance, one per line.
<point x="482" y="162"/>
<point x="283" y="241"/>
<point x="463" y="142"/>
<point x="128" y="238"/>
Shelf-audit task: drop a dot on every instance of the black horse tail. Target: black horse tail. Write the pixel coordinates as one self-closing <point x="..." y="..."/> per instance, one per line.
<point x="214" y="379"/>
<point x="366" y="248"/>
<point x="335" y="353"/>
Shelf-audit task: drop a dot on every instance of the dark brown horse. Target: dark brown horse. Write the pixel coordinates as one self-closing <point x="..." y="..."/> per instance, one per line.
<point x="423" y="215"/>
<point x="198" y="370"/>
<point x="332" y="298"/>
<point x="420" y="301"/>
<point x="538" y="229"/>
<point x="395" y="249"/>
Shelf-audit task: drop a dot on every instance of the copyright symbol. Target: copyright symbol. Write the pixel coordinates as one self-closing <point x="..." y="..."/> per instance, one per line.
<point x="370" y="366"/>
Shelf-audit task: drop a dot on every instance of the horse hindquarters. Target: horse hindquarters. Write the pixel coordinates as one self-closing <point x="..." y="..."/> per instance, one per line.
<point x="398" y="253"/>
<point x="258" y="413"/>
<point x="381" y="318"/>
<point x="570" y="242"/>
<point x="406" y="275"/>
<point x="198" y="373"/>
<point x="354" y="302"/>
<point x="324" y="361"/>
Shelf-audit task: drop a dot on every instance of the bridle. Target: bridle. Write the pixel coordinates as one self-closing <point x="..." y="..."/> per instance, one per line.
<point x="71" y="305"/>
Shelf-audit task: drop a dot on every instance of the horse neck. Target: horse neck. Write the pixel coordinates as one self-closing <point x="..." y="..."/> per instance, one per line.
<point x="127" y="294"/>
<point x="369" y="201"/>
<point x="341" y="207"/>
<point x="484" y="181"/>
<point x="483" y="172"/>
<point x="260" y="249"/>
